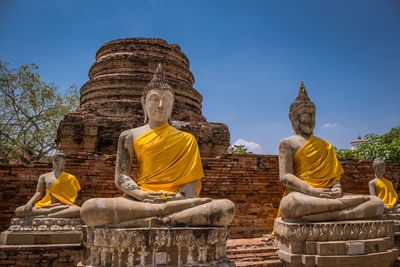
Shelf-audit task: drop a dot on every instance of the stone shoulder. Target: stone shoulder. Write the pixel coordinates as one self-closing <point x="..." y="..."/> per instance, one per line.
<point x="134" y="133"/>
<point x="287" y="142"/>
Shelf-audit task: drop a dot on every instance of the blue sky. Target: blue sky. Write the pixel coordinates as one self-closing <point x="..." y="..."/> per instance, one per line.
<point x="248" y="57"/>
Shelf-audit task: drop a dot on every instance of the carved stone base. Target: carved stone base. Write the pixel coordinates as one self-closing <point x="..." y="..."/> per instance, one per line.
<point x="155" y="246"/>
<point x="396" y="227"/>
<point x="32" y="231"/>
<point x="342" y="243"/>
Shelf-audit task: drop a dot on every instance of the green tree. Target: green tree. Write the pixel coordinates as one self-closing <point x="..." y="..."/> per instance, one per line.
<point x="30" y="111"/>
<point x="387" y="144"/>
<point x="347" y="153"/>
<point x="239" y="149"/>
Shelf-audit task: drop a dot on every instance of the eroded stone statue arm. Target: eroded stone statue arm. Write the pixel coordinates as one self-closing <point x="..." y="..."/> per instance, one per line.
<point x="123" y="167"/>
<point x="371" y="186"/>
<point x="288" y="179"/>
<point x="40" y="188"/>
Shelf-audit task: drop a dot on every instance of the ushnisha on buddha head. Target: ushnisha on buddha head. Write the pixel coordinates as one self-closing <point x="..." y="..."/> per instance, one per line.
<point x="302" y="113"/>
<point x="158" y="99"/>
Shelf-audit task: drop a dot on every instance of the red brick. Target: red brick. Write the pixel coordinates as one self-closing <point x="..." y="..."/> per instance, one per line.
<point x="34" y="256"/>
<point x="7" y="262"/>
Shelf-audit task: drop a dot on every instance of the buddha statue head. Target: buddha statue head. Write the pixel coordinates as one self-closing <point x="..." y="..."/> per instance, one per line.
<point x="158" y="98"/>
<point x="302" y="113"/>
<point x="58" y="160"/>
<point x="379" y="166"/>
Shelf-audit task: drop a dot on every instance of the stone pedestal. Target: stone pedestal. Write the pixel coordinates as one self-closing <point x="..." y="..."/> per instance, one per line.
<point x="342" y="243"/>
<point x="34" y="231"/>
<point x="155" y="247"/>
<point x="396" y="227"/>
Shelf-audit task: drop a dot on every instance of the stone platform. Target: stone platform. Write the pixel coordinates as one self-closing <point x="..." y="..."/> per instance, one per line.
<point x="33" y="231"/>
<point x="342" y="243"/>
<point x="396" y="227"/>
<point x="155" y="247"/>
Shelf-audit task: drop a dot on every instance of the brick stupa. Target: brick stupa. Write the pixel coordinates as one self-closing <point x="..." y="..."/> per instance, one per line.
<point x="110" y="100"/>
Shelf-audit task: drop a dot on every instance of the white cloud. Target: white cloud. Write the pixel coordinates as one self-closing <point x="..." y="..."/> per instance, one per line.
<point x="330" y="125"/>
<point x="251" y="146"/>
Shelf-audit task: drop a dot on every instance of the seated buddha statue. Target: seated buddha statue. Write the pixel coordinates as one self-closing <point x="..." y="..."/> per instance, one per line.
<point x="166" y="187"/>
<point x="310" y="171"/>
<point x="60" y="190"/>
<point x="383" y="188"/>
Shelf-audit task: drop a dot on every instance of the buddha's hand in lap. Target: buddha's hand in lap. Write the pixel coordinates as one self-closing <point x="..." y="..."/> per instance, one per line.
<point x="334" y="192"/>
<point x="145" y="196"/>
<point x="169" y="197"/>
<point x="160" y="197"/>
<point x="337" y="191"/>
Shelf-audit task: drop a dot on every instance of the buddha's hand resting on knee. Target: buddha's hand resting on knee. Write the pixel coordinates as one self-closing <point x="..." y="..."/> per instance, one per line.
<point x="388" y="210"/>
<point x="28" y="208"/>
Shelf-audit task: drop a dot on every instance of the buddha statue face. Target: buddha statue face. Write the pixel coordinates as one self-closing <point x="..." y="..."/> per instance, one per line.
<point x="303" y="120"/>
<point x="158" y="105"/>
<point x="302" y="113"/>
<point x="58" y="163"/>
<point x="379" y="167"/>
<point x="158" y="99"/>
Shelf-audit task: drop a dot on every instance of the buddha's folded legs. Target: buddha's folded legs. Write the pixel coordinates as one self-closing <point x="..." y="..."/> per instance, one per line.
<point x="300" y="206"/>
<point x="20" y="211"/>
<point x="368" y="210"/>
<point x="119" y="211"/>
<point x="215" y="213"/>
<point x="69" y="212"/>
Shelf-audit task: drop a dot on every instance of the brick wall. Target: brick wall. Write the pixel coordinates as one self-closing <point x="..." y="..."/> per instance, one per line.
<point x="250" y="181"/>
<point x="43" y="255"/>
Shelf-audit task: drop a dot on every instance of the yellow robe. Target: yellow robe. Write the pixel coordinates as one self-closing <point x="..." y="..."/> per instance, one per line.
<point x="65" y="189"/>
<point x="167" y="159"/>
<point x="316" y="164"/>
<point x="385" y="191"/>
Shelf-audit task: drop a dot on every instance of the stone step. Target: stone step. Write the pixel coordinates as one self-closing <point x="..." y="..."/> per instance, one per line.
<point x="253" y="252"/>
<point x="267" y="263"/>
<point x="266" y="256"/>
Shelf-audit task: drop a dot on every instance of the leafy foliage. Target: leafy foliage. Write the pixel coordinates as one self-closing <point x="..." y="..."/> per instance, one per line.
<point x="387" y="144"/>
<point x="239" y="149"/>
<point x="347" y="153"/>
<point x="30" y="111"/>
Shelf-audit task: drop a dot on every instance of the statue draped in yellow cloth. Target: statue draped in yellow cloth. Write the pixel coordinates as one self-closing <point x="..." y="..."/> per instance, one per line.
<point x="61" y="190"/>
<point x="316" y="164"/>
<point x="175" y="160"/>
<point x="383" y="188"/>
<point x="310" y="171"/>
<point x="167" y="184"/>
<point x="64" y="189"/>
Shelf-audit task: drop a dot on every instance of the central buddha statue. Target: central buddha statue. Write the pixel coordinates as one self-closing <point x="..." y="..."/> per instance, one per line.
<point x="165" y="190"/>
<point x="310" y="171"/>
